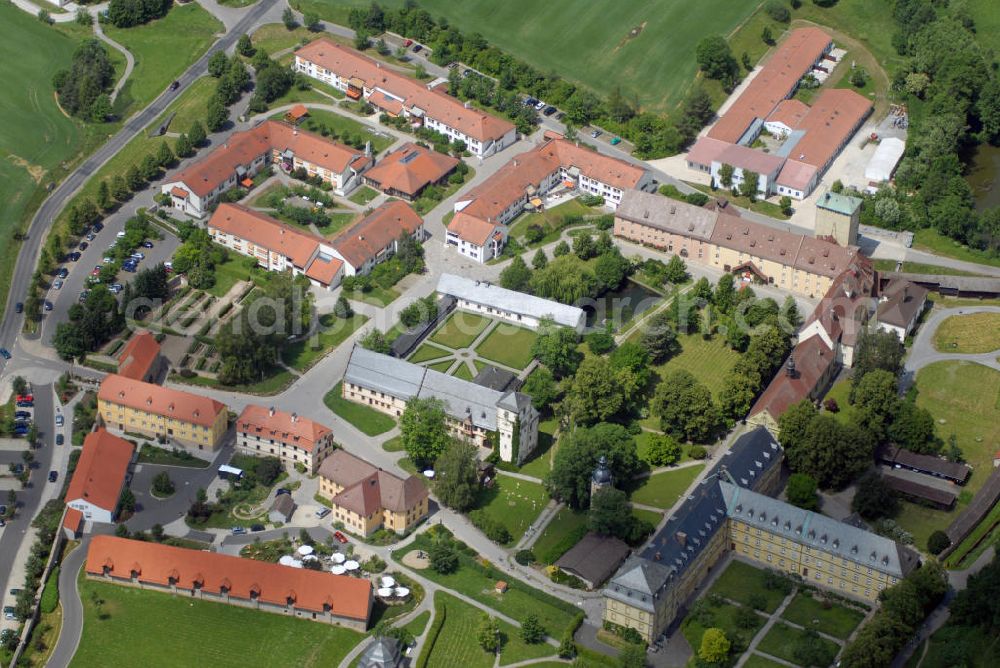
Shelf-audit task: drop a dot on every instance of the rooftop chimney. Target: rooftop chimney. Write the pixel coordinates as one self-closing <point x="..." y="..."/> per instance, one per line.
<point x="270" y="411"/>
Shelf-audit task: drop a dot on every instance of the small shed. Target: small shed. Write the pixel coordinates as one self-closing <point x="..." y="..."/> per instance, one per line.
<point x="296" y="114"/>
<point x="281" y="509"/>
<point x="500" y="587"/>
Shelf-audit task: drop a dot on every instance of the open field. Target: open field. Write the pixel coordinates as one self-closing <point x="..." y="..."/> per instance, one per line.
<point x="662" y="490"/>
<point x="541" y="460"/>
<point x="138" y="616"/>
<point x="921" y="268"/>
<point x="190" y="107"/>
<point x="591" y="43"/>
<point x="427" y="352"/>
<point x="340" y="125"/>
<point x="514" y="503"/>
<point x="970" y="333"/>
<point x="740" y="581"/>
<point x="509" y="345"/>
<point x="366" y="419"/>
<point x="549" y="220"/>
<point x="186" y="31"/>
<point x="724" y="616"/>
<point x="460" y="330"/>
<point x="781" y="640"/>
<point x="35" y="136"/>
<point x="838" y="621"/>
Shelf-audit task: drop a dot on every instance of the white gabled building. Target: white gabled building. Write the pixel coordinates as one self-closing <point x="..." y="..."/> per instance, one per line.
<point x="100" y="476"/>
<point x="516" y="307"/>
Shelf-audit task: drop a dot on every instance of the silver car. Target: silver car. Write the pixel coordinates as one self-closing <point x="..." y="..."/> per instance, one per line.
<point x="57" y="284"/>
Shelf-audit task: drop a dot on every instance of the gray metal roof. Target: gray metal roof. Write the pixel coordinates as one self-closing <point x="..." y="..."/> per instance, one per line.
<point x="383" y="653"/>
<point x="666" y="214"/>
<point x="487" y="294"/>
<point x="751" y="455"/>
<point x="464" y="399"/>
<point x="384" y="373"/>
<point x="812" y="529"/>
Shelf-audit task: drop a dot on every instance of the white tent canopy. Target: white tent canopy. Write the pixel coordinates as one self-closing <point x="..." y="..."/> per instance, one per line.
<point x="882" y="165"/>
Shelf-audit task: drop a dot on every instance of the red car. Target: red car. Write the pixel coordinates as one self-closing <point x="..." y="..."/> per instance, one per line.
<point x="29" y="398"/>
<point x="340" y="537"/>
<point x="408" y="42"/>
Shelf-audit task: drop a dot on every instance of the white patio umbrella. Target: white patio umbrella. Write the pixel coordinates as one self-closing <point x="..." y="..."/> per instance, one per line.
<point x="305" y="549"/>
<point x="352" y="565"/>
<point x="402" y="592"/>
<point x="388" y="581"/>
<point x="336" y="569"/>
<point x="338" y="558"/>
<point x="286" y="560"/>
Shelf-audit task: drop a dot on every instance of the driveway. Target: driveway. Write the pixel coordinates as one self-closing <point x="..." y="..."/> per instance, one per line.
<point x="923" y="351"/>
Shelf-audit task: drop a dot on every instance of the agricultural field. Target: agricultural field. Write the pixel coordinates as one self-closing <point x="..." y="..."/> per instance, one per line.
<point x="591" y="43"/>
<point x="112" y="613"/>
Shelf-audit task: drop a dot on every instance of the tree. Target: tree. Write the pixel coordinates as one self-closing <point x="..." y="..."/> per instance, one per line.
<point x="375" y="341"/>
<point x="913" y="428"/>
<point x="715" y="58"/>
<point x="89" y="76"/>
<point x="443" y="557"/>
<point x="100" y="109"/>
<point x="676" y="271"/>
<point x="424" y="431"/>
<point x="218" y="63"/>
<point x="576" y="459"/>
<point x="197" y="134"/>
<point x="685" y="407"/>
<point x="632" y="656"/>
<point x="831" y="452"/>
<point x="555" y="347"/>
<point x="786" y="205"/>
<point x="562" y="248"/>
<point x="777" y="10"/>
<point x="216" y="114"/>
<point x="599" y="391"/>
<point x="164" y="156"/>
<point x="342" y="309"/>
<point x="126" y="502"/>
<point x="714" y="646"/>
<point x="532" y="631"/>
<point x="938" y="542"/>
<point x="583" y="246"/>
<point x="541" y="387"/>
<point x="726" y="172"/>
<point x="311" y="21"/>
<point x="876" y="400"/>
<point x="162" y="484"/>
<point x="489" y="633"/>
<point x="750" y="184"/>
<point x="244" y="46"/>
<point x="873" y="499"/>
<point x="516" y="276"/>
<point x="540" y="260"/>
<point x="611" y="515"/>
<point x="119" y="188"/>
<point x="766" y="36"/>
<point x="659" y="338"/>
<point x="859" y="77"/>
<point x="566" y="279"/>
<point x="183" y="147"/>
<point x="877" y="349"/>
<point x="456" y="476"/>
<point x="801" y="491"/>
<point x="600" y="342"/>
<point x="20" y="385"/>
<point x="361" y="40"/>
<point x="663" y="450"/>
<point x="288" y="18"/>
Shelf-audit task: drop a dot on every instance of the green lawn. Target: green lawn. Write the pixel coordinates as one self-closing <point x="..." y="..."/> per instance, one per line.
<point x="931" y="240"/>
<point x="541" y="461"/>
<point x="838" y="621"/>
<point x="275" y="381"/>
<point x="460" y="329"/>
<point x="301" y="355"/>
<point x="339" y="126"/>
<point x="441" y="366"/>
<point x="663" y="489"/>
<point x="368" y="420"/>
<point x="708" y="361"/>
<point x="190" y="107"/>
<point x="274" y="37"/>
<point x="758" y="661"/>
<point x="591" y="43"/>
<point x="152" y="454"/>
<point x="394" y="444"/>
<point x="229" y="273"/>
<point x="508" y="345"/>
<point x="648" y="516"/>
<point x="35" y="137"/>
<point x="723" y="617"/>
<point x="514" y="503"/>
<point x="128" y="629"/>
<point x="549" y="220"/>
<point x="462" y="371"/>
<point x="363" y="195"/>
<point x="781" y="640"/>
<point x="740" y="581"/>
<point x="562" y="532"/>
<point x="643" y="442"/>
<point x="456" y="644"/>
<point x="921" y="268"/>
<point x="970" y="333"/>
<point x="478" y="582"/>
<point x="427" y="352"/>
<point x="164" y="48"/>
<point x="375" y="296"/>
<point x="984" y="535"/>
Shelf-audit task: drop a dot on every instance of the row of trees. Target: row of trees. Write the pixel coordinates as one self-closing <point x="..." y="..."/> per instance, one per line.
<point x="654" y="135"/>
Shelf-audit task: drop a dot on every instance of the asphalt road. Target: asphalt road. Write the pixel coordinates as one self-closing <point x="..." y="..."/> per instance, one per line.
<point x="28" y="499"/>
<point x="61" y="195"/>
<point x="72" y="629"/>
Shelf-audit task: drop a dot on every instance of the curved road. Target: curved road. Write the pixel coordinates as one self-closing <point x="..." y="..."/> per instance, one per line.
<point x="923" y="351"/>
<point x="55" y="203"/>
<point x="69" y="597"/>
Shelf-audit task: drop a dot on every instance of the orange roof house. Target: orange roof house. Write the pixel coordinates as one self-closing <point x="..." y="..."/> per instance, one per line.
<point x="292" y="438"/>
<point x="408" y="170"/>
<point x="317" y="595"/>
<point x="99" y="477"/>
<point x="373" y="238"/>
<point x="140" y="358"/>
<point x="297" y="113"/>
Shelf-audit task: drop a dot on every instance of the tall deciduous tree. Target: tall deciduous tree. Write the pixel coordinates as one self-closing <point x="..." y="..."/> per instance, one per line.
<point x="576" y="458"/>
<point x="685" y="407"/>
<point x="456" y="479"/>
<point x="424" y="431"/>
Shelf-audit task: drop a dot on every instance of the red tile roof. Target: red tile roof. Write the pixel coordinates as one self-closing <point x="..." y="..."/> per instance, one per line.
<point x="243" y="148"/>
<point x="179" y="192"/>
<point x="812" y="361"/>
<point x="612" y="171"/>
<point x="410" y="168"/>
<point x="324" y="270"/>
<point x="163" y="401"/>
<point x="793" y="58"/>
<point x="163" y="565"/>
<point x="368" y="489"/>
<point x="73" y="520"/>
<point x="348" y="63"/>
<point x="833" y="117"/>
<point x="100" y="472"/>
<point x="281" y="426"/>
<point x="387" y="104"/>
<point x="363" y="240"/>
<point x="789" y="112"/>
<point x="471" y="229"/>
<point x="297" y="112"/>
<point x="264" y="231"/>
<point x="843" y="310"/>
<point x="138" y="356"/>
<point x="707" y="150"/>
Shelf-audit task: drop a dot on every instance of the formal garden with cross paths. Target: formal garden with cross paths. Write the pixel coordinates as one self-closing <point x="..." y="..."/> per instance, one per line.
<point x="468" y="342"/>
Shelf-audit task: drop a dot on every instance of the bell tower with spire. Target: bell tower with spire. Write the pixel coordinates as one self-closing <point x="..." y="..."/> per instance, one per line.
<point x="601" y="477"/>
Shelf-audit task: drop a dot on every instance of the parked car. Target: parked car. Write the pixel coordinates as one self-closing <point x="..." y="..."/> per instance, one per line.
<point x="83" y="295"/>
<point x="238" y="531"/>
<point x="147" y="244"/>
<point x="452" y="65"/>
<point x="60" y="421"/>
<point x="138" y="256"/>
<point x="3" y="510"/>
<point x="615" y="141"/>
<point x="107" y="259"/>
<point x="407" y="42"/>
<point x="47" y="305"/>
<point x="596" y="133"/>
<point x="560" y="115"/>
<point x="18" y="468"/>
<point x="322" y="512"/>
<point x="53" y="476"/>
<point x="22" y="415"/>
<point x="19" y="307"/>
<point x="90" y="236"/>
<point x="282" y="490"/>
<point x="549" y="110"/>
<point x="25" y="397"/>
<point x="466" y="72"/>
<point x="256" y="527"/>
<point x="63" y="272"/>
<point x="14" y="592"/>
<point x="121" y="234"/>
<point x="98" y="226"/>
<point x="96" y="270"/>
<point x="57" y="284"/>
<point x="530" y="101"/>
<point x="4" y="353"/>
<point x="539" y="105"/>
<point x="60" y="439"/>
<point x="8" y="612"/>
<point x="417" y="48"/>
<point x="341" y="538"/>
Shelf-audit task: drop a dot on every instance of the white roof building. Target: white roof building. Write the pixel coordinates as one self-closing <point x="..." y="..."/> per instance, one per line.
<point x="517" y="307"/>
<point x="882" y="165"/>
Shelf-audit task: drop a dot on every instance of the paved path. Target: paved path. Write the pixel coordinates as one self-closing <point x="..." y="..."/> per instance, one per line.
<point x="923" y="351"/>
<point x="129" y="58"/>
<point x="72" y="607"/>
<point x="764" y="630"/>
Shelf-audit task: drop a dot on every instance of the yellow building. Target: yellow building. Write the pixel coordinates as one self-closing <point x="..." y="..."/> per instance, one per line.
<point x="366" y="498"/>
<point x="181" y="418"/>
<point x="753" y="251"/>
<point x="725" y="515"/>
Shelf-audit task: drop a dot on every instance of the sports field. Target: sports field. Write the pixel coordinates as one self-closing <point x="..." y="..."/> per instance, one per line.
<point x="646" y="46"/>
<point x="35" y="137"/>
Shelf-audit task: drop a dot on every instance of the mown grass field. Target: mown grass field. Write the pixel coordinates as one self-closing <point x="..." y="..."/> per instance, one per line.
<point x="590" y="43"/>
<point x="366" y="419"/>
<point x="514" y="503"/>
<point x="662" y="490"/>
<point x="970" y="333"/>
<point x="128" y="629"/>
<point x="35" y="136"/>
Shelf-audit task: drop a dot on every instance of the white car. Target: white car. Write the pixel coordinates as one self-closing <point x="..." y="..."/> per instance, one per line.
<point x="138" y="256"/>
<point x="59" y="420"/>
<point x="120" y="234"/>
<point x="539" y="105"/>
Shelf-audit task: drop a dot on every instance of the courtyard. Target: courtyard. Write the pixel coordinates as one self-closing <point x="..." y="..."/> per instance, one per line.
<point x="466" y="343"/>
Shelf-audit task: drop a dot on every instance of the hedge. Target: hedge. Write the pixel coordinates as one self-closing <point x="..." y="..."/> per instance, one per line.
<point x="440" y="612"/>
<point x="50" y="595"/>
<point x="552" y="555"/>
